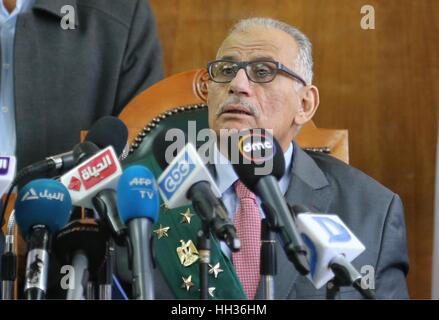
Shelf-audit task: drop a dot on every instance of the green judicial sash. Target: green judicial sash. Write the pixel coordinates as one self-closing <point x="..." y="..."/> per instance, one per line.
<point x="177" y="256"/>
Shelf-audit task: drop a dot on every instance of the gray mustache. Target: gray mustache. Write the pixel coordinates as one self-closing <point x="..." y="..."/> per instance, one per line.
<point x="235" y="100"/>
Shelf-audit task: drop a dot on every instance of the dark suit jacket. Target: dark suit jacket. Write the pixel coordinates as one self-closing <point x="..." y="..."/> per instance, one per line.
<point x="66" y="79"/>
<point x="373" y="213"/>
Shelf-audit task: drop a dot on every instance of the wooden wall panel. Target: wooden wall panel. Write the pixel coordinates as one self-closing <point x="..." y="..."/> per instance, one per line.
<point x="380" y="84"/>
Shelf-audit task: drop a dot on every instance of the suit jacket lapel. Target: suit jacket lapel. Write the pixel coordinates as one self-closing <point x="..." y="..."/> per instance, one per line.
<point x="308" y="187"/>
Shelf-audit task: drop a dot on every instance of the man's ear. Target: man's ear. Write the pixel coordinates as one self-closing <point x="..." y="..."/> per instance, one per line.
<point x="309" y="104"/>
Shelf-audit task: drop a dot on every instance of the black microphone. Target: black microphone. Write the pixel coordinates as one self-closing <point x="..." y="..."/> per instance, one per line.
<point x="82" y="244"/>
<point x="105" y="132"/>
<point x="42" y="208"/>
<point x="109" y="131"/>
<point x="105" y="204"/>
<point x="258" y="160"/>
<point x="138" y="201"/>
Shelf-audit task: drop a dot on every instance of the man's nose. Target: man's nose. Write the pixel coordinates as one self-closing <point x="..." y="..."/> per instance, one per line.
<point x="240" y="84"/>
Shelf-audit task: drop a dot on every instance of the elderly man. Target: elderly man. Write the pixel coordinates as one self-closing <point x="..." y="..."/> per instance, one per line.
<point x="262" y="78"/>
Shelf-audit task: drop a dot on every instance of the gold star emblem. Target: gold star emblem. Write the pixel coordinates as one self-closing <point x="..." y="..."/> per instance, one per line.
<point x="211" y="291"/>
<point x="187" y="253"/>
<point x="162" y="231"/>
<point x="187" y="215"/>
<point x="215" y="270"/>
<point x="187" y="283"/>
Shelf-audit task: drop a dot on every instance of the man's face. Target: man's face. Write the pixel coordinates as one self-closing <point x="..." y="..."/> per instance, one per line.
<point x="242" y="103"/>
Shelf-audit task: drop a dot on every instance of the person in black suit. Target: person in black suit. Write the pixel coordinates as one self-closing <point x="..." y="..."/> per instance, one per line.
<point x="67" y="63"/>
<point x="73" y="62"/>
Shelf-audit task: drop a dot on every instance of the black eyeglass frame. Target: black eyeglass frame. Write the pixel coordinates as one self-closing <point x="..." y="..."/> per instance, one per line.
<point x="244" y="64"/>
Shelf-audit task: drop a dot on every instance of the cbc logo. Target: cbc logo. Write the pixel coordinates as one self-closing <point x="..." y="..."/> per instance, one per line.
<point x="176" y="176"/>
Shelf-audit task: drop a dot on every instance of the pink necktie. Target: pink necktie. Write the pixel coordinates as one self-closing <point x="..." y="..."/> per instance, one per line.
<point x="248" y="226"/>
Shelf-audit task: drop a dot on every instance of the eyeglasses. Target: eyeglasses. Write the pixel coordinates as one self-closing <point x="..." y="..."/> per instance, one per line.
<point x="224" y="71"/>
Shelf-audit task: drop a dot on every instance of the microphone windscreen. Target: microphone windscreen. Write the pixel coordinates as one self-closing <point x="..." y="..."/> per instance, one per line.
<point x="109" y="131"/>
<point x="168" y="144"/>
<point x="84" y="150"/>
<point x="165" y="150"/>
<point x="137" y="194"/>
<point x="42" y="202"/>
<point x="255" y="153"/>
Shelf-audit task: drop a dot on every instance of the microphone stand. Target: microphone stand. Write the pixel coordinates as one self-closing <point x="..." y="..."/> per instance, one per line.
<point x="105" y="277"/>
<point x="90" y="291"/>
<point x="204" y="251"/>
<point x="8" y="272"/>
<point x="345" y="275"/>
<point x="268" y="267"/>
<point x="213" y="218"/>
<point x="81" y="268"/>
<point x="9" y="262"/>
<point x="291" y="240"/>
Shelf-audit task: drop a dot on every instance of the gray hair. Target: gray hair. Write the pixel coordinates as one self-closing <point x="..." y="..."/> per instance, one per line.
<point x="304" y="62"/>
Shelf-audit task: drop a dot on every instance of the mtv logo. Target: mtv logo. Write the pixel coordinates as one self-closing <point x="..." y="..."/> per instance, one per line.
<point x="8" y="166"/>
<point x="4" y="165"/>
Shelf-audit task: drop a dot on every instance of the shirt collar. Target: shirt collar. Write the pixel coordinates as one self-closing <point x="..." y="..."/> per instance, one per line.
<point x="226" y="176"/>
<point x="20" y="6"/>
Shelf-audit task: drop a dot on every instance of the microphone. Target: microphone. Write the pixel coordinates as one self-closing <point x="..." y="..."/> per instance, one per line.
<point x="92" y="185"/>
<point x="187" y="181"/>
<point x="80" y="153"/>
<point x="259" y="164"/>
<point x="42" y="208"/>
<point x="138" y="202"/>
<point x="331" y="247"/>
<point x="85" y="181"/>
<point x="8" y="165"/>
<point x="107" y="131"/>
<point x="81" y="243"/>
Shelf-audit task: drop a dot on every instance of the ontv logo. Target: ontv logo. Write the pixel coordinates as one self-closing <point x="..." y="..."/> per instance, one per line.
<point x="256" y="147"/>
<point x="4" y="165"/>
